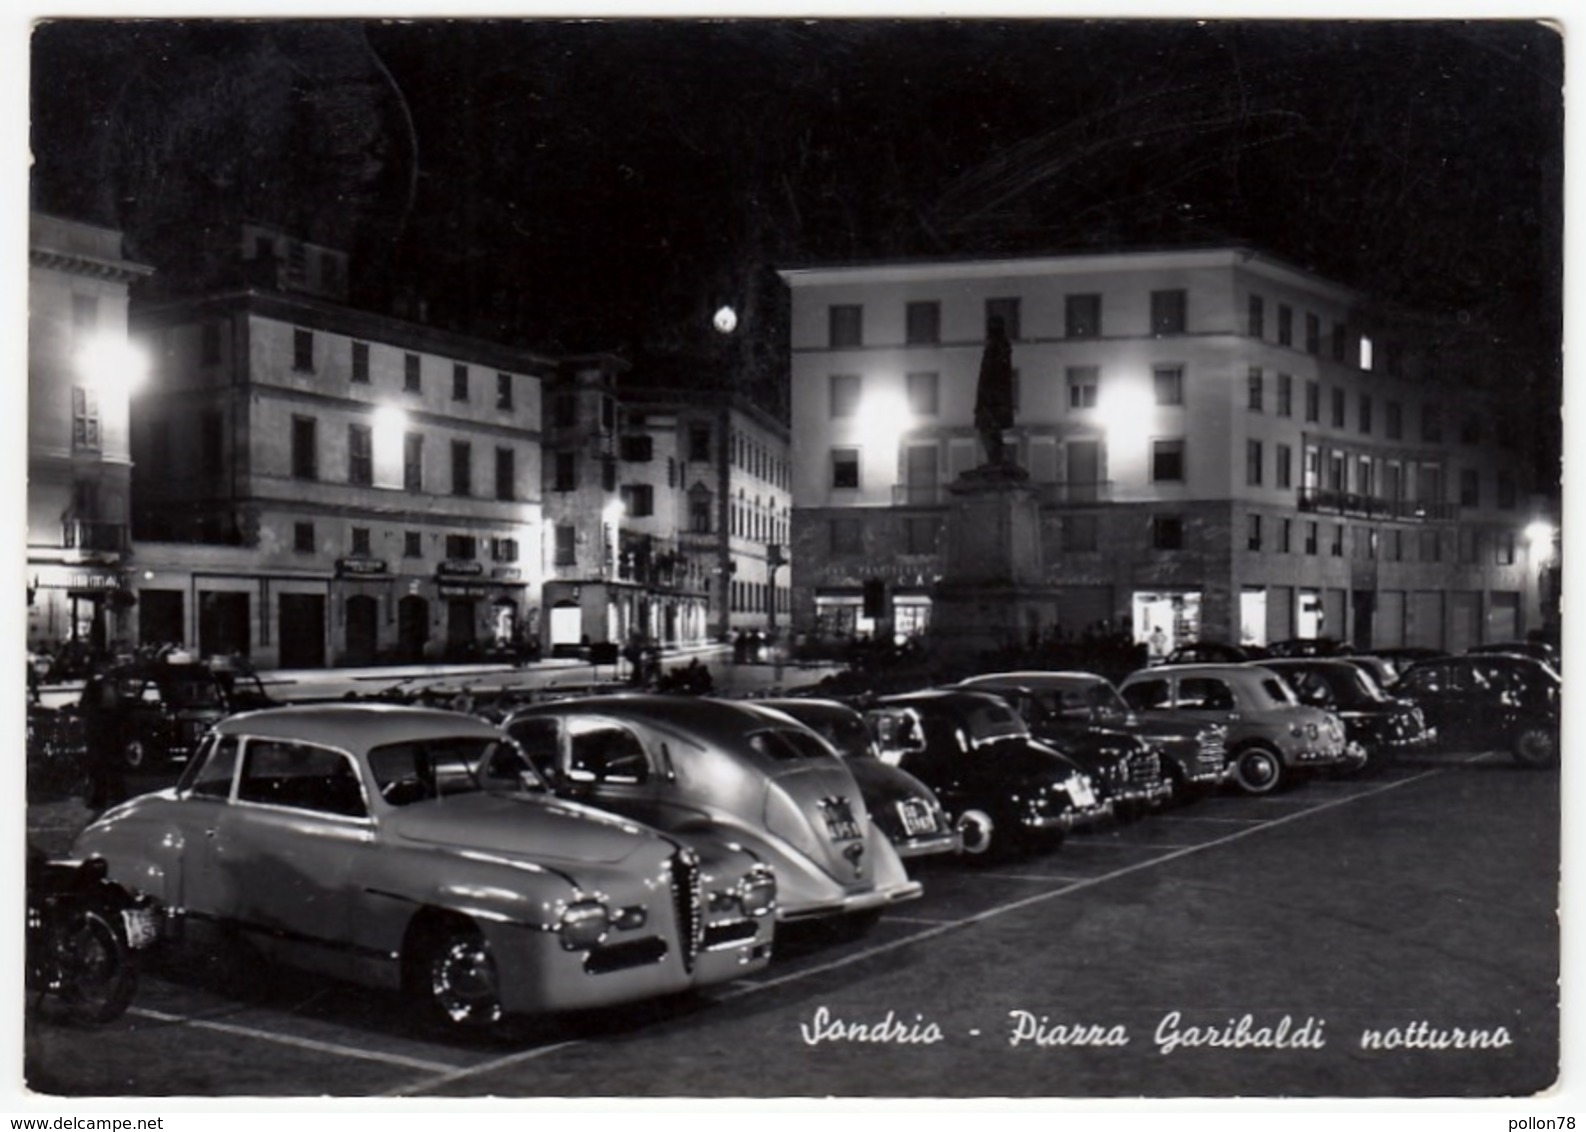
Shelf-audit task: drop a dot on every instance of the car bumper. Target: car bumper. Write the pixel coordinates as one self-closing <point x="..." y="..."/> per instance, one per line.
<point x="853" y="903"/>
<point x="926" y="845"/>
<point x="1073" y="817"/>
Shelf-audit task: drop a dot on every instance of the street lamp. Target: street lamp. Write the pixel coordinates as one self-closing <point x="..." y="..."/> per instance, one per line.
<point x="108" y="360"/>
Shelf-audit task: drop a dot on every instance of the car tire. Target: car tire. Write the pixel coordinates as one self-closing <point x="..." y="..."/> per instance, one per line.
<point x="457" y="978"/>
<point x="1258" y="771"/>
<point x="981" y="833"/>
<point x="1535" y="745"/>
<point x="134" y="754"/>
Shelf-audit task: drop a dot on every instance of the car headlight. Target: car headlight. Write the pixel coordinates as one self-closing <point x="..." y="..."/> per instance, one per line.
<point x="757" y="892"/>
<point x="584" y="925"/>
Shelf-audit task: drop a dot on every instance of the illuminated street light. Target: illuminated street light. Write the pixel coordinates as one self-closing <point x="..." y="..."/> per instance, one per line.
<point x="883" y="417"/>
<point x="725" y="320"/>
<point x="1539" y="538"/>
<point x="390" y="424"/>
<point x="107" y="361"/>
<point x="1125" y="411"/>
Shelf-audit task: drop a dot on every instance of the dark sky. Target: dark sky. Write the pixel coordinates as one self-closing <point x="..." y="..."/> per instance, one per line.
<point x="576" y="185"/>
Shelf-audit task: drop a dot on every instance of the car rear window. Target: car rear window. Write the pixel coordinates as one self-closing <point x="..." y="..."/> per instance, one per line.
<point x="786" y="745"/>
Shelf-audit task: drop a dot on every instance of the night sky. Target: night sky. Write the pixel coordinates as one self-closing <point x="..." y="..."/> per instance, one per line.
<point x="576" y="185"/>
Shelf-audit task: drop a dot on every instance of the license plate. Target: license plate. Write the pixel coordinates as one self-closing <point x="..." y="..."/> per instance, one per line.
<point x="1079" y="790"/>
<point x="840" y="822"/>
<point x="143" y="927"/>
<point x="917" y="818"/>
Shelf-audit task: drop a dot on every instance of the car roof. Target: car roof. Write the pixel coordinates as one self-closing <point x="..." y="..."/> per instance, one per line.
<point x="700" y="715"/>
<point x="354" y="725"/>
<point x="1032" y="678"/>
<point x="1243" y="669"/>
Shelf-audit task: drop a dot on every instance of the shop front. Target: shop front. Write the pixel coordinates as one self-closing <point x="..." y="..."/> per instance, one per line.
<point x="79" y="608"/>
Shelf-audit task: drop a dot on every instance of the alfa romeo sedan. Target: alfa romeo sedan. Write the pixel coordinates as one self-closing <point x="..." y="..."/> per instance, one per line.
<point x="726" y="771"/>
<point x="1272" y="737"/>
<point x="906" y="809"/>
<point x="1080" y="709"/>
<point x="1004" y="789"/>
<point x="418" y="849"/>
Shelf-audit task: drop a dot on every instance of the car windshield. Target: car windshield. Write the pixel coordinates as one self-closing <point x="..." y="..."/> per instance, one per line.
<point x="416" y="769"/>
<point x="193" y="691"/>
<point x="989" y="721"/>
<point x="1342" y="686"/>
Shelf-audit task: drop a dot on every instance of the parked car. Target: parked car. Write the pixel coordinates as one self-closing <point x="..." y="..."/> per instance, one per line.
<point x="1082" y="716"/>
<point x="1307" y="646"/>
<point x="725" y="770"/>
<point x="1213" y="652"/>
<point x="906" y="809"/>
<point x="1378" y="725"/>
<point x="418" y="849"/>
<point x="1192" y="755"/>
<point x="1536" y="650"/>
<point x="1481" y="700"/>
<point x="1003" y="789"/>
<point x="169" y="705"/>
<point x="1272" y="737"/>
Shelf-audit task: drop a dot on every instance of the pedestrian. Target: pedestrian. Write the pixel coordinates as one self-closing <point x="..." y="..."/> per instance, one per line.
<point x="104" y="732"/>
<point x="1157" y="645"/>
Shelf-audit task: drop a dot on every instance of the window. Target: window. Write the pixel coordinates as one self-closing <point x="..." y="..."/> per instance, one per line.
<point x="1310" y="537"/>
<point x="1394" y="551"/>
<point x="1313" y="402"/>
<point x="462" y="468"/>
<point x="1432" y="423"/>
<point x="1008" y="311"/>
<point x="1468" y="548"/>
<point x="504" y="392"/>
<point x="360" y="456"/>
<point x="413" y="461"/>
<point x="922" y="394"/>
<point x="566" y="545"/>
<point x="1167" y="532"/>
<point x="1082" y="316"/>
<point x="302" y="350"/>
<point x="1393" y="422"/>
<point x="412" y="544"/>
<point x="1469" y="487"/>
<point x="699" y="443"/>
<point x="85" y="417"/>
<point x="1340" y="408"/>
<point x="1285" y="395"/>
<point x="412" y="374"/>
<point x="305" y="449"/>
<point x="1340" y="341"/>
<point x="462" y="548"/>
<point x="1253" y="531"/>
<point x="1285" y="325"/>
<point x="1082" y="383"/>
<point x="1079" y="534"/>
<point x="1254" y="459"/>
<point x="1167" y="384"/>
<point x="1431" y="548"/>
<point x="637" y="449"/>
<point x="459" y="382"/>
<point x="699" y="512"/>
<point x="300" y="777"/>
<point x="1337" y="548"/>
<point x="608" y="475"/>
<point x="924" y="323"/>
<point x="1313" y="334"/>
<point x="846" y="325"/>
<point x="506" y="474"/>
<point x="845" y="467"/>
<point x="844" y="395"/>
<point x="360" y="363"/>
<point x="847" y="536"/>
<point x="503" y="550"/>
<point x="1167" y="312"/>
<point x="1285" y="535"/>
<point x="638" y="499"/>
<point x="209" y="344"/>
<point x="1257" y="322"/>
<point x="1365" y="412"/>
<point x="1365" y="352"/>
<point x="1285" y="466"/>
<point x="1167" y="461"/>
<point x="360" y="541"/>
<point x="212" y="445"/>
<point x="1256" y="386"/>
<point x="1503" y="548"/>
<point x="303" y="538"/>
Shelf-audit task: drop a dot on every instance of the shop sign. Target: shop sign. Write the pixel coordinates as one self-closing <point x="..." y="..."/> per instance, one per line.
<point x="360" y="567"/>
<point x="60" y="580"/>
<point x="459" y="568"/>
<point x="464" y="589"/>
<point x="507" y="574"/>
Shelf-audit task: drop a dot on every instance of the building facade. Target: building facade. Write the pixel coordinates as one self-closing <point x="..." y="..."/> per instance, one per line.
<point x="81" y="373"/>
<point x="1223" y="446"/>
<point x="317" y="484"/>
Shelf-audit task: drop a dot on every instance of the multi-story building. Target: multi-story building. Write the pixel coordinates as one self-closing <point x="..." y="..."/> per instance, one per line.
<point x="81" y="370"/>
<point x="1223" y="445"/>
<point x="667" y="510"/>
<point x="318" y="484"/>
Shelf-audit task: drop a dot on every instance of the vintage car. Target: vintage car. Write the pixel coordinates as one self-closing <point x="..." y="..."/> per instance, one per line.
<point x="1380" y="726"/>
<point x="1489" y="700"/>
<point x="1082" y="715"/>
<point x="1212" y="652"/>
<point x="1272" y="737"/>
<point x="169" y="705"/>
<point x="904" y="807"/>
<point x="418" y="849"/>
<point x="725" y="770"/>
<point x="1004" y="789"/>
<point x="1306" y="646"/>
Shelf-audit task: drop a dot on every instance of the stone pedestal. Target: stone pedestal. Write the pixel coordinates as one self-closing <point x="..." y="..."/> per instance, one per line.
<point x="993" y="593"/>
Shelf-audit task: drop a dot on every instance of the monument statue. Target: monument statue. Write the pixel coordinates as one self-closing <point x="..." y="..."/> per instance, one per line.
<point x="994" y="393"/>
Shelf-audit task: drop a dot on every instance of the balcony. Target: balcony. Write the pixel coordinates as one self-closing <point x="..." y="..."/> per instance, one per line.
<point x="1375" y="507"/>
<point x="94" y="536"/>
<point x="934" y="494"/>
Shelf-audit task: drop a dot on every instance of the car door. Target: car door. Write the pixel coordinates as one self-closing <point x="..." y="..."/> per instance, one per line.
<point x="200" y="886"/>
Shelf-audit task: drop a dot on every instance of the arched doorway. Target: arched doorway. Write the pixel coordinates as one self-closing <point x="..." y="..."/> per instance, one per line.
<point x="363" y="619"/>
<point x="413" y="626"/>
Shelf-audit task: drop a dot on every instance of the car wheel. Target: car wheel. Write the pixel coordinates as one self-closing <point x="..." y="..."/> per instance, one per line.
<point x="1535" y="746"/>
<point x="979" y="831"/>
<point x="1258" y="770"/>
<point x="459" y="980"/>
<point x="134" y="754"/>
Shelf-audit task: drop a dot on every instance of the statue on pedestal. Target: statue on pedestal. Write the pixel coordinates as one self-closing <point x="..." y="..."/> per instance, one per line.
<point x="994" y="393"/>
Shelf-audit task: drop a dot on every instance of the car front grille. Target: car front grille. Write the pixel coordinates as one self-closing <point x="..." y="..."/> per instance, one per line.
<point x="1145" y="768"/>
<point x="689" y="901"/>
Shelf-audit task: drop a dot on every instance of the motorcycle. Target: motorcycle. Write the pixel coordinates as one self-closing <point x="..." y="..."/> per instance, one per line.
<point x="84" y="933"/>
